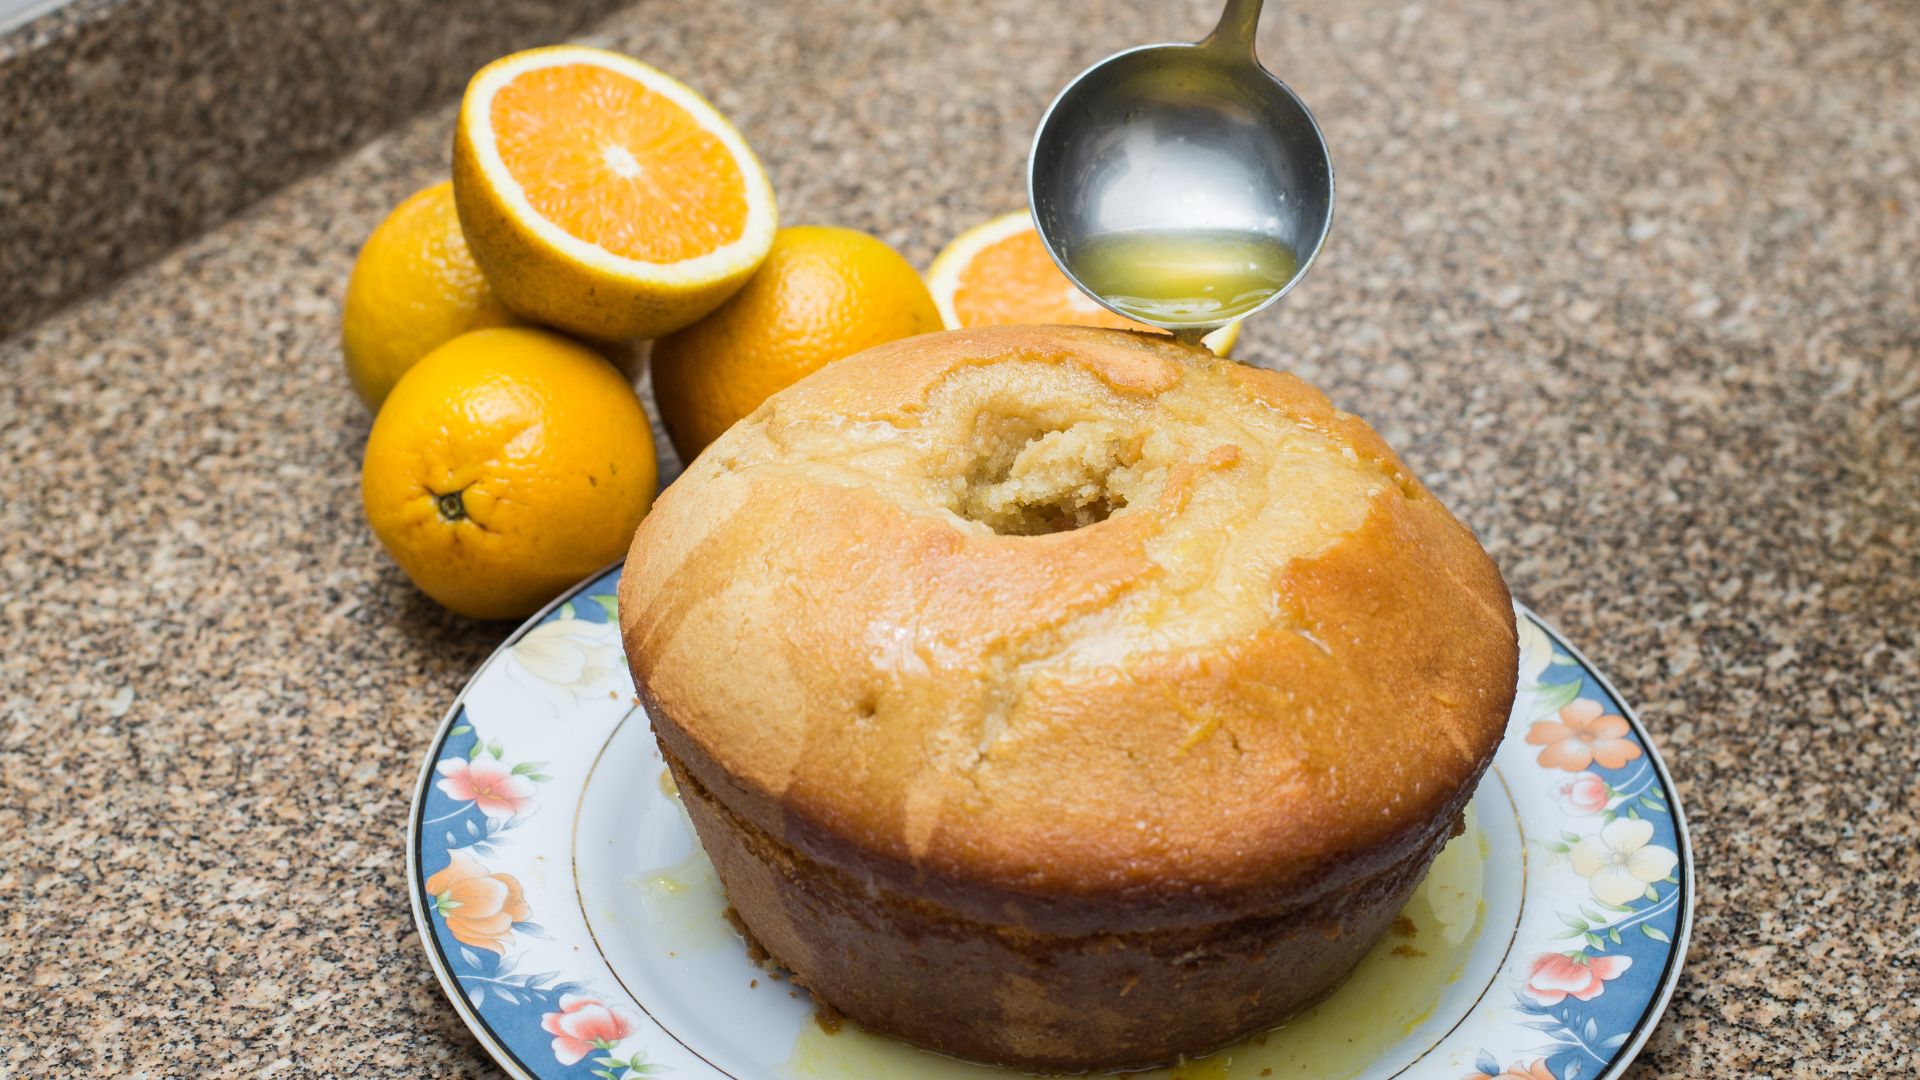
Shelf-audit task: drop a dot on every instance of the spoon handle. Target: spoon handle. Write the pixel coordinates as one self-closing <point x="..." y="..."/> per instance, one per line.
<point x="1235" y="30"/>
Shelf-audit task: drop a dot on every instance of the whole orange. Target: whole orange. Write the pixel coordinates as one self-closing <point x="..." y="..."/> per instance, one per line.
<point x="504" y="467"/>
<point x="823" y="293"/>
<point x="414" y="288"/>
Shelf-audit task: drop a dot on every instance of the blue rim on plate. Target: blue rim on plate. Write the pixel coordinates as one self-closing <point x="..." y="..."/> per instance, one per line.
<point x="539" y="825"/>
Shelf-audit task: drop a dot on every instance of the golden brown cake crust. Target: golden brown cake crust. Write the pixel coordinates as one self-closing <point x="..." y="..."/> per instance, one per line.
<point x="1267" y="666"/>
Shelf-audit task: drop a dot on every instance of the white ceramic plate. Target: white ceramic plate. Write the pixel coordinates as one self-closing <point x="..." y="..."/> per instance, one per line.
<point x="577" y="927"/>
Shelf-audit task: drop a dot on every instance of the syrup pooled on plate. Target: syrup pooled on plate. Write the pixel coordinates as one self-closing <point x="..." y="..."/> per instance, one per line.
<point x="1190" y="282"/>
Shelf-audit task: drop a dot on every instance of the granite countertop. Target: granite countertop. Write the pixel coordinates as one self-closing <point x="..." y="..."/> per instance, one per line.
<point x="131" y="125"/>
<point x="1631" y="284"/>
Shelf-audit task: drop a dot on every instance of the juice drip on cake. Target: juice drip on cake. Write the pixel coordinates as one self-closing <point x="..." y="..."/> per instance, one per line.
<point x="1392" y="991"/>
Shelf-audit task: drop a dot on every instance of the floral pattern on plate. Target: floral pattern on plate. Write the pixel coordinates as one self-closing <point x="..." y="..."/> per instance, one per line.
<point x="1594" y="950"/>
<point x="1588" y="996"/>
<point x="475" y="797"/>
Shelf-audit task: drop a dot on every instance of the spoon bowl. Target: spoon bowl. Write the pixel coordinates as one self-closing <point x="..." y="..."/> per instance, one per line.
<point x="1181" y="141"/>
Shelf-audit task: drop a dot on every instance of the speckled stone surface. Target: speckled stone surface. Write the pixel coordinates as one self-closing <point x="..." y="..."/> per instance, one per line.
<point x="1632" y="284"/>
<point x="126" y="126"/>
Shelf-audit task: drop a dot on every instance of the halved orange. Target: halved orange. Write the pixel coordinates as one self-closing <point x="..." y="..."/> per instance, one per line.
<point x="999" y="274"/>
<point x="604" y="197"/>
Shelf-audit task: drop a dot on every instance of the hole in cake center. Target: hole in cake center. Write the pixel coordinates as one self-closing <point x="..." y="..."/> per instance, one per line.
<point x="1025" y="478"/>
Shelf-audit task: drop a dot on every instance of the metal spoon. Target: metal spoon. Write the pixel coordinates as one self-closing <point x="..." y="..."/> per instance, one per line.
<point x="1170" y="142"/>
